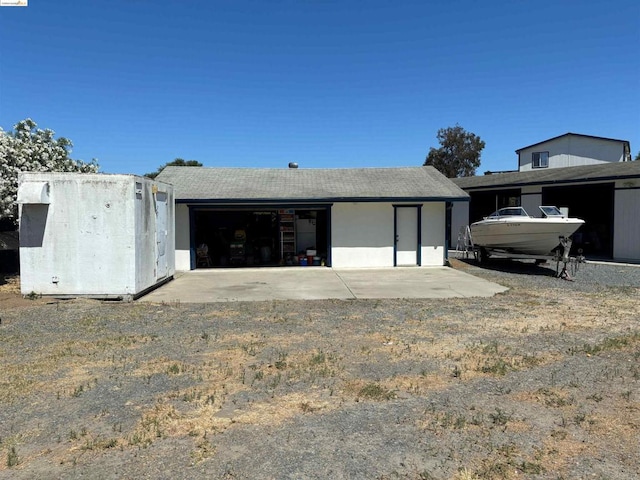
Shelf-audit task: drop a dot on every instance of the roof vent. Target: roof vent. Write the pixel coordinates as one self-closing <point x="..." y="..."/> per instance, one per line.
<point x="293" y="165"/>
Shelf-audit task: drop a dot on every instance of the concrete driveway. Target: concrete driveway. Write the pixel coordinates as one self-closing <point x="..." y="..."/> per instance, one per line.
<point x="299" y="283"/>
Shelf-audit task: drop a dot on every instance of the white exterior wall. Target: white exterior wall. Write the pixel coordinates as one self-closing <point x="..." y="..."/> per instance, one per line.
<point x="96" y="237"/>
<point x="362" y="234"/>
<point x="626" y="239"/>
<point x="433" y="234"/>
<point x="572" y="151"/>
<point x="182" y="239"/>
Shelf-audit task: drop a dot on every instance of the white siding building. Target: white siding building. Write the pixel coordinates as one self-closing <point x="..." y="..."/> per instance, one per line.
<point x="572" y="150"/>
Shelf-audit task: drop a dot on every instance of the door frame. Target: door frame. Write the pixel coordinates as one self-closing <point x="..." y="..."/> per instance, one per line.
<point x="418" y="208"/>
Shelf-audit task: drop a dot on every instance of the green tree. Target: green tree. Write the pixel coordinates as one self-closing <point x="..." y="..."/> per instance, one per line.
<point x="637" y="156"/>
<point x="30" y="149"/>
<point x="178" y="162"/>
<point x="459" y="154"/>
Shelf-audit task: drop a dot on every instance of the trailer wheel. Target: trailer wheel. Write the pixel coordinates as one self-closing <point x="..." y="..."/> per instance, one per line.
<point x="483" y="256"/>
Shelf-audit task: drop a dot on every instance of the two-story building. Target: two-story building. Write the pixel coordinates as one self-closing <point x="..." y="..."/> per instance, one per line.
<point x="572" y="150"/>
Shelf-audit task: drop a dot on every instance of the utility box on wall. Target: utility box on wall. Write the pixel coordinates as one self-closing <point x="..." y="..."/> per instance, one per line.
<point x="95" y="235"/>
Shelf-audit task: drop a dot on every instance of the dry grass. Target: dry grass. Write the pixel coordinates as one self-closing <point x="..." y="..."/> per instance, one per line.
<point x="236" y="367"/>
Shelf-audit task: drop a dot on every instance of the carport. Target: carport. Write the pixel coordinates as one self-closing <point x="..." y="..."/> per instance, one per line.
<point x="256" y="284"/>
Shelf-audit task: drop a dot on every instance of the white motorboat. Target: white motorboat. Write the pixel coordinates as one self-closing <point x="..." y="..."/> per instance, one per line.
<point x="512" y="230"/>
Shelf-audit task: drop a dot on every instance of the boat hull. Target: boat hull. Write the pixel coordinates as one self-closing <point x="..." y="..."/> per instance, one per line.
<point x="527" y="236"/>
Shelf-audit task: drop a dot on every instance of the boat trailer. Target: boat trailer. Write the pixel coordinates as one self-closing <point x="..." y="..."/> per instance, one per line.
<point x="566" y="266"/>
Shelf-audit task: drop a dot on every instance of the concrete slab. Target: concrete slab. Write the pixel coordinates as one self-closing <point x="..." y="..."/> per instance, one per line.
<point x="299" y="283"/>
<point x="412" y="282"/>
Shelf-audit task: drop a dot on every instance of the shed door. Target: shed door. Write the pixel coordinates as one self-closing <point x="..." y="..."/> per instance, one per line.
<point x="407" y="235"/>
<point x="161" y="234"/>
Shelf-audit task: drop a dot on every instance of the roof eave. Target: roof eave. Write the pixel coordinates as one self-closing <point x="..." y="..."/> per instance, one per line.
<point x="608" y="178"/>
<point x="280" y="201"/>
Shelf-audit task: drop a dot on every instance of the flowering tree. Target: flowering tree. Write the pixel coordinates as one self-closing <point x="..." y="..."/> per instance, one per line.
<point x="30" y="149"/>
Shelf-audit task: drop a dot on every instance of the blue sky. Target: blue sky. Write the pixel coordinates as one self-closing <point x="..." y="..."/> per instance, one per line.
<point x="323" y="83"/>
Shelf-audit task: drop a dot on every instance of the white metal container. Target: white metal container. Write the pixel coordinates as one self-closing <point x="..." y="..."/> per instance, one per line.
<point x="95" y="235"/>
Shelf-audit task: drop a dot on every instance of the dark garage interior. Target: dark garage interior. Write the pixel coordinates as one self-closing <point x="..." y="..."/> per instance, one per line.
<point x="595" y="205"/>
<point x="483" y="204"/>
<point x="252" y="237"/>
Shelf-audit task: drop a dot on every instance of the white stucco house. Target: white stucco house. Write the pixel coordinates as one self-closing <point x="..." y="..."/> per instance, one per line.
<point x="591" y="177"/>
<point x="352" y="217"/>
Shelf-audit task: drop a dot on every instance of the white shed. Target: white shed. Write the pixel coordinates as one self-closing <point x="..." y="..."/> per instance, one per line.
<point x="95" y="235"/>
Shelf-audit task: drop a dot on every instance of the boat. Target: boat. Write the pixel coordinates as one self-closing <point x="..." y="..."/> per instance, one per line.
<point x="511" y="230"/>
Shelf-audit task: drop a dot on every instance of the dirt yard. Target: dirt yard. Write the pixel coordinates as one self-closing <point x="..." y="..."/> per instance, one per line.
<point x="541" y="382"/>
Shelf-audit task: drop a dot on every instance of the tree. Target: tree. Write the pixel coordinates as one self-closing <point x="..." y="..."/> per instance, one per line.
<point x="30" y="149"/>
<point x="637" y="156"/>
<point x="459" y="155"/>
<point x="178" y="162"/>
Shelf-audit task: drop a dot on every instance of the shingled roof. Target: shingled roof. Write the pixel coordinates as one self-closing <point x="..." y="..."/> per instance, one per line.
<point x="547" y="176"/>
<point x="257" y="185"/>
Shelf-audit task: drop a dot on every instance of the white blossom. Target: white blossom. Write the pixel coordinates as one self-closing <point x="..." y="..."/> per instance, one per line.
<point x="30" y="149"/>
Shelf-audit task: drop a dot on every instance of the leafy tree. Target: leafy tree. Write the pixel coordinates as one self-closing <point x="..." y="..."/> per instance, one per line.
<point x="178" y="162"/>
<point x="459" y="155"/>
<point x="637" y="156"/>
<point x="30" y="149"/>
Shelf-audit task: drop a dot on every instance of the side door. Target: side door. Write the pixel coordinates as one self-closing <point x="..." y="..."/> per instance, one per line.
<point x="407" y="235"/>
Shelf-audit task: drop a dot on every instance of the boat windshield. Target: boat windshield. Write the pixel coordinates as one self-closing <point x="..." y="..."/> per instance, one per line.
<point x="551" y="211"/>
<point x="509" y="212"/>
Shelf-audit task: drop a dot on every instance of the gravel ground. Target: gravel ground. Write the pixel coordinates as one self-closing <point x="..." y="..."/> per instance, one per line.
<point x="539" y="382"/>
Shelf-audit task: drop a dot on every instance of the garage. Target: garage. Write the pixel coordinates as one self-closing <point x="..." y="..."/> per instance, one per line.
<point x="260" y="237"/>
<point x="605" y="196"/>
<point x="340" y="218"/>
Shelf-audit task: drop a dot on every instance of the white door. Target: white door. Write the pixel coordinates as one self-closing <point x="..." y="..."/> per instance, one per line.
<point x="161" y="234"/>
<point x="407" y="236"/>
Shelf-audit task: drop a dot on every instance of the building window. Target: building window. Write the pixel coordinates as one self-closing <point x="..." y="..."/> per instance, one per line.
<point x="540" y="160"/>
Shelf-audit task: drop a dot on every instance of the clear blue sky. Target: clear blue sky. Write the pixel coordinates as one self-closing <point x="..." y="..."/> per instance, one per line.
<point x="323" y="83"/>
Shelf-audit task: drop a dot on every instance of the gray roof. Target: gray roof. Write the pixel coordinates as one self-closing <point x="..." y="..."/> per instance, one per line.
<point x="256" y="185"/>
<point x="546" y="176"/>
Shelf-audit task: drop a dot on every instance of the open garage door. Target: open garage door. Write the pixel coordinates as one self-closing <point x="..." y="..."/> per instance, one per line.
<point x="251" y="237"/>
<point x="595" y="205"/>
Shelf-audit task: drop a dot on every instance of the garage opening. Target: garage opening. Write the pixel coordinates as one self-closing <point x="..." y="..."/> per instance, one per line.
<point x="251" y="237"/>
<point x="594" y="204"/>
